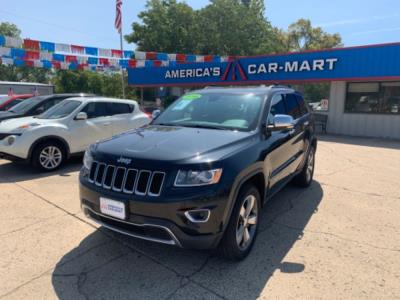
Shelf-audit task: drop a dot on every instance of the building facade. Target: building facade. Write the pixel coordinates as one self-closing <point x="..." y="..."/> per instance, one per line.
<point x="365" y="82"/>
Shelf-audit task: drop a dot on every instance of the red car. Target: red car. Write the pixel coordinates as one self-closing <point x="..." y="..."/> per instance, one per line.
<point x="6" y="102"/>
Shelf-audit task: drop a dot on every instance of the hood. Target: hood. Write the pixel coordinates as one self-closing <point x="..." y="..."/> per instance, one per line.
<point x="167" y="143"/>
<point x="12" y="125"/>
<point x="4" y="115"/>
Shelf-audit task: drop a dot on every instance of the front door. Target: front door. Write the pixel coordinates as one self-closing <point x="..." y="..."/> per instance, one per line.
<point x="278" y="158"/>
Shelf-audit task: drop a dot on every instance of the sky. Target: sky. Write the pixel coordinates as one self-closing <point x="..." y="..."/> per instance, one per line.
<point x="91" y="22"/>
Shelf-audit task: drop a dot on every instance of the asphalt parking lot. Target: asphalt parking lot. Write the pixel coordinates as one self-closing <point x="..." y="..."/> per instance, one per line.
<point x="338" y="239"/>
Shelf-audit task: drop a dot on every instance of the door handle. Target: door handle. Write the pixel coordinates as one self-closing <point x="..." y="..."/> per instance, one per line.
<point x="106" y="124"/>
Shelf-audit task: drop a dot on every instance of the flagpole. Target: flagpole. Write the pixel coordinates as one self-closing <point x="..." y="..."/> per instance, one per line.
<point x="122" y="69"/>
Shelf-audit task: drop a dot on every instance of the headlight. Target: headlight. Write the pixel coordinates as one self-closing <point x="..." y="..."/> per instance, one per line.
<point x="197" y="178"/>
<point x="87" y="159"/>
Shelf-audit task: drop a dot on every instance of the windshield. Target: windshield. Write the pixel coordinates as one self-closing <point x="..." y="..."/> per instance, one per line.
<point x="26" y="105"/>
<point x="4" y="99"/>
<point x="60" y="110"/>
<point x="214" y="110"/>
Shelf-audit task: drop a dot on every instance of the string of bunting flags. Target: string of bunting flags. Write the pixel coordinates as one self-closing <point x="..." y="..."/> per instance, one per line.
<point x="33" y="53"/>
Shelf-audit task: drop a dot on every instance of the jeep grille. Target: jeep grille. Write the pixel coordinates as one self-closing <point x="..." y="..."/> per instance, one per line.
<point x="125" y="180"/>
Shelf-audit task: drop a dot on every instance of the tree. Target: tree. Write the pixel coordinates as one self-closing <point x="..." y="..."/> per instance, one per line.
<point x="168" y="26"/>
<point x="102" y="84"/>
<point x="302" y="36"/>
<point x="235" y="28"/>
<point x="224" y="27"/>
<point x="9" y="29"/>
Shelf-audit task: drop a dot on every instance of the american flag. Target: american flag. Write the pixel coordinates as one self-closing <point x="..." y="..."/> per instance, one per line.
<point x="118" y="16"/>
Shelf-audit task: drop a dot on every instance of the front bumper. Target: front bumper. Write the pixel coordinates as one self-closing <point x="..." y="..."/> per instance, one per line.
<point x="162" y="222"/>
<point x="16" y="152"/>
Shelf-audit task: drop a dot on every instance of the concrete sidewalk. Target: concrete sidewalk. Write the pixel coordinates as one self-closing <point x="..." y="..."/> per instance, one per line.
<point x="338" y="239"/>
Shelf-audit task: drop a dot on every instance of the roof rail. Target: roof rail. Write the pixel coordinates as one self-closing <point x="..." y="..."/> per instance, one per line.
<point x="275" y="86"/>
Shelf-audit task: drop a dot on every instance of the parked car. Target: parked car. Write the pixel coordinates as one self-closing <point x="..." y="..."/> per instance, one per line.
<point x="148" y="110"/>
<point x="6" y="102"/>
<point x="199" y="174"/>
<point x="35" y="106"/>
<point x="67" y="129"/>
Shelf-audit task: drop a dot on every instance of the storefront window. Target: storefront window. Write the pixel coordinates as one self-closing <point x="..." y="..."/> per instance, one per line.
<point x="373" y="97"/>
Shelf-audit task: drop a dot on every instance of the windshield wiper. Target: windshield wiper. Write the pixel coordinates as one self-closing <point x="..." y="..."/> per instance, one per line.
<point x="165" y="124"/>
<point x="204" y="126"/>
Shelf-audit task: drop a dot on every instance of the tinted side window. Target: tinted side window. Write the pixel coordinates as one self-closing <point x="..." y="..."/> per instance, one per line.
<point x="120" y="108"/>
<point x="292" y="107"/>
<point x="96" y="110"/>
<point x="277" y="107"/>
<point x="302" y="105"/>
<point x="12" y="103"/>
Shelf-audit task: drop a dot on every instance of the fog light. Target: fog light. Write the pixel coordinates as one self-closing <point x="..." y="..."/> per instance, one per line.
<point x="11" y="140"/>
<point x="198" y="215"/>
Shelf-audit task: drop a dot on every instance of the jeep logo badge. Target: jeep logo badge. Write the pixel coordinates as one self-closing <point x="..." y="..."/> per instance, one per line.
<point x="123" y="160"/>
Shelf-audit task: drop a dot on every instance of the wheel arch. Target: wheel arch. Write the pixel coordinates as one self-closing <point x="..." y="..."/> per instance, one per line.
<point x="254" y="175"/>
<point x="49" y="138"/>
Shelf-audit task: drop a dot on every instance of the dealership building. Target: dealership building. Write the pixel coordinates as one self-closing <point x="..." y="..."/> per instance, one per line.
<point x="364" y="81"/>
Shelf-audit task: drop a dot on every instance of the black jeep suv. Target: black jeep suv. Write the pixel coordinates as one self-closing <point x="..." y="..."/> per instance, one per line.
<point x="199" y="174"/>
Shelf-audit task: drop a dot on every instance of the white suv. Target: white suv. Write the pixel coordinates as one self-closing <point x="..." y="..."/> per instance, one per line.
<point x="68" y="128"/>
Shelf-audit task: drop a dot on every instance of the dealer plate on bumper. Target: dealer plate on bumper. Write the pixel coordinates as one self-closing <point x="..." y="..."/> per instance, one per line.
<point x="112" y="208"/>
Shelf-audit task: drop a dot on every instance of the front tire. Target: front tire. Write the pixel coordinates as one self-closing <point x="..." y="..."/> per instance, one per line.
<point x="242" y="229"/>
<point x="49" y="156"/>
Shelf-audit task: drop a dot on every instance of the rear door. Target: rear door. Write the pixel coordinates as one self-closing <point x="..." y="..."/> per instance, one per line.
<point x="121" y="115"/>
<point x="98" y="126"/>
<point x="297" y="133"/>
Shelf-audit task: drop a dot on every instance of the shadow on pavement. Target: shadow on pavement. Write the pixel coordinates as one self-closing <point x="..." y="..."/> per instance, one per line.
<point x="361" y="141"/>
<point x="15" y="172"/>
<point x="107" y="265"/>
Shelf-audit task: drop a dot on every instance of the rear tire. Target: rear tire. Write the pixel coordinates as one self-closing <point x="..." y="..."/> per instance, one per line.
<point x="49" y="156"/>
<point x="306" y="175"/>
<point x="241" y="232"/>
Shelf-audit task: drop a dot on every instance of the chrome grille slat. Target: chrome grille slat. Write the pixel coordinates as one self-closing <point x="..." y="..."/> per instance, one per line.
<point x="144" y="172"/>
<point x="130" y="191"/>
<point x="121" y="179"/>
<point x="150" y="193"/>
<point x="99" y="167"/>
<point x="109" y="168"/>
<point x="117" y="189"/>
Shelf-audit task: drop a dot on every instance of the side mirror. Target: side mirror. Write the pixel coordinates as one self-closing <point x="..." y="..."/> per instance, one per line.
<point x="81" y="116"/>
<point x="155" y="113"/>
<point x="281" y="122"/>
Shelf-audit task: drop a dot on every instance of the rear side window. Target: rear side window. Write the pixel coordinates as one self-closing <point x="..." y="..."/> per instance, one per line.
<point x="292" y="106"/>
<point x="96" y="110"/>
<point x="120" y="108"/>
<point x="302" y="105"/>
<point x="12" y="103"/>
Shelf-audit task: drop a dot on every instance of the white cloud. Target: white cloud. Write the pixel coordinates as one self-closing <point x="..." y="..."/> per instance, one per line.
<point x="357" y="20"/>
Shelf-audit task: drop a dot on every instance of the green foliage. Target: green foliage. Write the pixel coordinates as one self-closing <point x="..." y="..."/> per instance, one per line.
<point x="314" y="92"/>
<point x="167" y="26"/>
<point x="27" y="74"/>
<point x="224" y="27"/>
<point x="90" y="82"/>
<point x="302" y="36"/>
<point x="9" y="29"/>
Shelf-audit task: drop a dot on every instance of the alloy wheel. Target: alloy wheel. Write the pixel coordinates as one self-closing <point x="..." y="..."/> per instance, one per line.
<point x="50" y="157"/>
<point x="247" y="222"/>
<point x="310" y="166"/>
